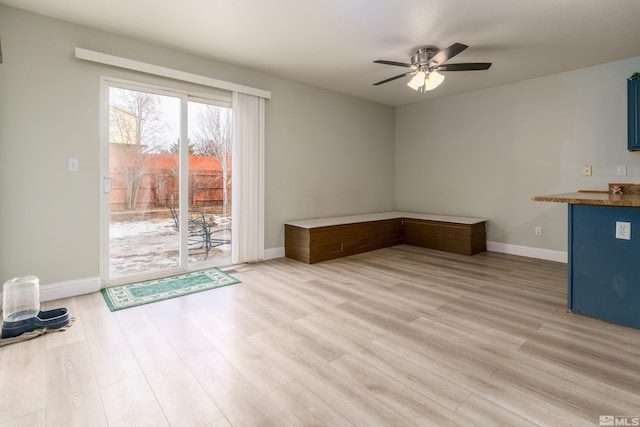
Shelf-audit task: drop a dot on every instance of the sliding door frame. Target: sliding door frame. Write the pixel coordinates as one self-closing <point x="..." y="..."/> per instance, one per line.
<point x="214" y="97"/>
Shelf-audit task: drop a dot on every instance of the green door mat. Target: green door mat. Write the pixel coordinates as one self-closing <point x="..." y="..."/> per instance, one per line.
<point x="119" y="297"/>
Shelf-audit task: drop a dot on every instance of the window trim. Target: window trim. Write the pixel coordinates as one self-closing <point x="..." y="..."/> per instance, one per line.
<point x="213" y="96"/>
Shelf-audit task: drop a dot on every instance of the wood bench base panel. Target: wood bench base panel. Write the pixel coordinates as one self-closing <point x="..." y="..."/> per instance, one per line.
<point x="465" y="239"/>
<point x="325" y="243"/>
<point x="311" y="245"/>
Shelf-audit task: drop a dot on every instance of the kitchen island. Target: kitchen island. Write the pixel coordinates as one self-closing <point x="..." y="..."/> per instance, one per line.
<point x="603" y="253"/>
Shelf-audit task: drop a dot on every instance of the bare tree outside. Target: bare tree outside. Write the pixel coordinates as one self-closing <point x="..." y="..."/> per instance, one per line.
<point x="213" y="137"/>
<point x="137" y="121"/>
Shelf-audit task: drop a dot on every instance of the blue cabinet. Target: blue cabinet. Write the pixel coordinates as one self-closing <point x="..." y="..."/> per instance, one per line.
<point x="604" y="272"/>
<point x="633" y="112"/>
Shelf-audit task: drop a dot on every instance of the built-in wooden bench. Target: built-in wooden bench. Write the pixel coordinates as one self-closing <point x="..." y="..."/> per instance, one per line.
<point x="322" y="239"/>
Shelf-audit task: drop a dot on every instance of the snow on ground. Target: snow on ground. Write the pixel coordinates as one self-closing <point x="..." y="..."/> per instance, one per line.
<point x="139" y="246"/>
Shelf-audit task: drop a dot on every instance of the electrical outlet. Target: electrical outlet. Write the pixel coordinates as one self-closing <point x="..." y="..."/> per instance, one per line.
<point x="623" y="230"/>
<point x="538" y="231"/>
<point x="622" y="171"/>
<point x="586" y="170"/>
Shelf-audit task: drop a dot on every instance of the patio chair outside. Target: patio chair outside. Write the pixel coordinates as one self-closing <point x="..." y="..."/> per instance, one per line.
<point x="199" y="234"/>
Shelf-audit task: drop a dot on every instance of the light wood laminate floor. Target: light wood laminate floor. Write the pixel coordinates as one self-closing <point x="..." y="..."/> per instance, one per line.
<point x="400" y="336"/>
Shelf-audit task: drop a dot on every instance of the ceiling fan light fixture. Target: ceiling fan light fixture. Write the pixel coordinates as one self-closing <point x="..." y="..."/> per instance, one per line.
<point x="433" y="80"/>
<point x="417" y="81"/>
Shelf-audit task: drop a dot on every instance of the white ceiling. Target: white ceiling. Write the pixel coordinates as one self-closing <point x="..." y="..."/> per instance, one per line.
<point x="332" y="43"/>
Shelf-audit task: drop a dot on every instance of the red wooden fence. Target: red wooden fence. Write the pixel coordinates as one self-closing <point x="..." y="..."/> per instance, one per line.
<point x="154" y="179"/>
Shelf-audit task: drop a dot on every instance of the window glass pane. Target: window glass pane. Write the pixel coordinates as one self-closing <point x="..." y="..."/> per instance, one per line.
<point x="144" y="134"/>
<point x="210" y="150"/>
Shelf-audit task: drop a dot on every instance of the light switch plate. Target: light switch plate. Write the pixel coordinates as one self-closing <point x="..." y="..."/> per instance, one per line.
<point x="72" y="165"/>
<point x="623" y="230"/>
<point x="586" y="170"/>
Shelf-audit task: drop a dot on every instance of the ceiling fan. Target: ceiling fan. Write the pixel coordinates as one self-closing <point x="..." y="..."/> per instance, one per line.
<point x="426" y="64"/>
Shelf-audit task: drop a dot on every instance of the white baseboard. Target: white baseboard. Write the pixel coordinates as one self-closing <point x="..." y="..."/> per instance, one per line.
<point x="505" y="248"/>
<point x="87" y="285"/>
<point x="527" y="251"/>
<point x="69" y="288"/>
<point x="273" y="253"/>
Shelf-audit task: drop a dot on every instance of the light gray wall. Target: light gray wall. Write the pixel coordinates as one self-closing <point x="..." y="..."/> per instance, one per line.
<point x="485" y="154"/>
<point x="326" y="154"/>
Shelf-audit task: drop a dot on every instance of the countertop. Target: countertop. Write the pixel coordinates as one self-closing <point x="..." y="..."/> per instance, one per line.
<point x="592" y="198"/>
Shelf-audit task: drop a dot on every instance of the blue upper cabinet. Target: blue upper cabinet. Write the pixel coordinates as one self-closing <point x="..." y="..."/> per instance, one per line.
<point x="633" y="111"/>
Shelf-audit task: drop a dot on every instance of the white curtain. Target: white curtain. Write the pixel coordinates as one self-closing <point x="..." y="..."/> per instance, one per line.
<point x="248" y="179"/>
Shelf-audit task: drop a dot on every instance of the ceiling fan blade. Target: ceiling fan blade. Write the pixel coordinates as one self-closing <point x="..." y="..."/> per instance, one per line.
<point x="399" y="64"/>
<point x="393" y="78"/>
<point x="447" y="53"/>
<point x="470" y="66"/>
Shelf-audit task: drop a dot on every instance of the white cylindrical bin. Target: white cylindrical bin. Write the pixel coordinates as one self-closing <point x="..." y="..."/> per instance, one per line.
<point x="20" y="298"/>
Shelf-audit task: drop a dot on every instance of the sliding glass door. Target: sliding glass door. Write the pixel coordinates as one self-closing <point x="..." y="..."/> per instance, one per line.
<point x="209" y="172"/>
<point x="166" y="204"/>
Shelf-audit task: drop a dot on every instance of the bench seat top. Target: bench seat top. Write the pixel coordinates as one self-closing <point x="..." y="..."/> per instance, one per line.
<point x="380" y="216"/>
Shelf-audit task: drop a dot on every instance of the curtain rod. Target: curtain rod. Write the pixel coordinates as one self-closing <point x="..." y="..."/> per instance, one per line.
<point x="130" y="64"/>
